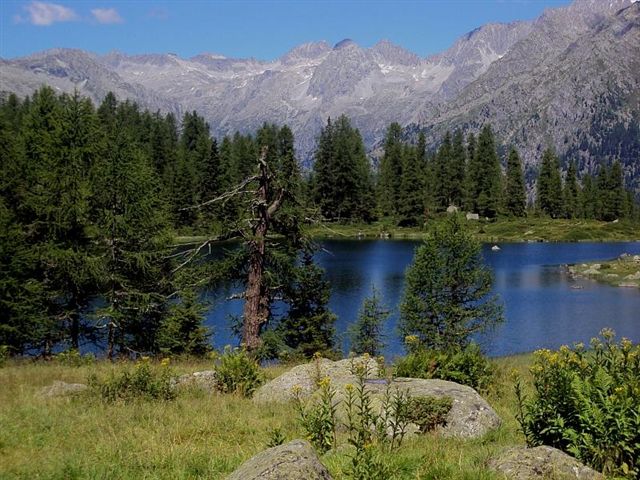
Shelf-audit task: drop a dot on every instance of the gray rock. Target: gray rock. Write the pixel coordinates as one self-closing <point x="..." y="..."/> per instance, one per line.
<point x="473" y="216"/>
<point x="62" y="389"/>
<point x="295" y="460"/>
<point x="452" y="209"/>
<point x="470" y="415"/>
<point x="544" y="462"/>
<point x="206" y="380"/>
<point x="305" y="379"/>
<point x="633" y="276"/>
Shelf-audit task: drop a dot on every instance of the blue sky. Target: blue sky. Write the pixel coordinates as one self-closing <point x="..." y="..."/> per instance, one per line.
<point x="261" y="29"/>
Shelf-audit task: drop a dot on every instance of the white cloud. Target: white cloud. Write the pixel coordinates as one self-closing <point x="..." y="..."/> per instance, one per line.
<point x="41" y="13"/>
<point x="106" y="15"/>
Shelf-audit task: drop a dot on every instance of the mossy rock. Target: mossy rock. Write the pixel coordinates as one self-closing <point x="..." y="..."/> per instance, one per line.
<point x="295" y="460"/>
<point x="521" y="463"/>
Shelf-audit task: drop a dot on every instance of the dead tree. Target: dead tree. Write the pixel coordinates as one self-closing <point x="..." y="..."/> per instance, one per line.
<point x="264" y="202"/>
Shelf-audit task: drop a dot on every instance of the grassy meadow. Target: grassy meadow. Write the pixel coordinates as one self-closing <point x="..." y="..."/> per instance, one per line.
<point x="535" y="229"/>
<point x="198" y="435"/>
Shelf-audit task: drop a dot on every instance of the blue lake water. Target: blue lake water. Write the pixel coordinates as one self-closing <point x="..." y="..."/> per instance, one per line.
<point x="543" y="308"/>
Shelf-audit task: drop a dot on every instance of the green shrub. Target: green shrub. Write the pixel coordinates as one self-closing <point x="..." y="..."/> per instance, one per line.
<point x="429" y="412"/>
<point x="586" y="403"/>
<point x="4" y="354"/>
<point x="467" y="366"/>
<point x="238" y="372"/>
<point x="319" y="419"/>
<point x="73" y="358"/>
<point x="143" y="381"/>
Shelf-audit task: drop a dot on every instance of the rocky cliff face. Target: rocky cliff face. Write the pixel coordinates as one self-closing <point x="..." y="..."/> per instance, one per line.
<point x="575" y="89"/>
<point x="569" y="78"/>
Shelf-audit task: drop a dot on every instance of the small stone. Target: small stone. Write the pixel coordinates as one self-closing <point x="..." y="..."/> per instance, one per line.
<point x="473" y="216"/>
<point x="633" y="276"/>
<point x="62" y="389"/>
<point x="295" y="460"/>
<point x="206" y="380"/>
<point x="521" y="463"/>
<point x="452" y="209"/>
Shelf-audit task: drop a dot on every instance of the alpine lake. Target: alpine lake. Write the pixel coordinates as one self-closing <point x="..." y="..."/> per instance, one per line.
<point x="544" y="307"/>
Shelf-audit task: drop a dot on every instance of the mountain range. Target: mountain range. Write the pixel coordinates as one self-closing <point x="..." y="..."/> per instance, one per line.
<point x="568" y="79"/>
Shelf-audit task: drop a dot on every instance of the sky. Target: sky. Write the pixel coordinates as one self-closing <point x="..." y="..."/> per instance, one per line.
<point x="261" y="29"/>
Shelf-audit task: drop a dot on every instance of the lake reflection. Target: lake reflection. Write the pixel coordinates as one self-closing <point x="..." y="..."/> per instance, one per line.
<point x="543" y="306"/>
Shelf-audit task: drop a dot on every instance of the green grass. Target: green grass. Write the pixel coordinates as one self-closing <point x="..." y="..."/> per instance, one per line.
<point x="535" y="229"/>
<point x="612" y="272"/>
<point x="198" y="435"/>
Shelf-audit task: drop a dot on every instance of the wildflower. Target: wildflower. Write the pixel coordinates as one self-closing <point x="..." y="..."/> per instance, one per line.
<point x="165" y="362"/>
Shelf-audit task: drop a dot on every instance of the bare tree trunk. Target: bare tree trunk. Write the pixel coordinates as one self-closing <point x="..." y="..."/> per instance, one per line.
<point x="257" y="301"/>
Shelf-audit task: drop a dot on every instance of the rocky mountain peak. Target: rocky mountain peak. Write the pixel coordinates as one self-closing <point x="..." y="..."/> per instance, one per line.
<point x="387" y="52"/>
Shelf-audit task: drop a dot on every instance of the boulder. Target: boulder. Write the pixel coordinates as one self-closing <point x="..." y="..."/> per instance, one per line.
<point x="452" y="209"/>
<point x="470" y="415"/>
<point x="633" y="276"/>
<point x="205" y="380"/>
<point x="521" y="463"/>
<point x="295" y="460"/>
<point x="306" y="377"/>
<point x="62" y="389"/>
<point x="473" y="216"/>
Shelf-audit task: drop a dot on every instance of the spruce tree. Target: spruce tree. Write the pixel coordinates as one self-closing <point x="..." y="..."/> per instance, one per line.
<point x="308" y="327"/>
<point x="442" y="181"/>
<point x="456" y="170"/>
<point x="181" y="330"/>
<point x="570" y="192"/>
<point x="486" y="175"/>
<point x="366" y="333"/>
<point x="447" y="295"/>
<point x="342" y="173"/>
<point x="390" y="173"/>
<point x="515" y="194"/>
<point x="550" y="185"/>
<point x="133" y="231"/>
<point x="410" y="202"/>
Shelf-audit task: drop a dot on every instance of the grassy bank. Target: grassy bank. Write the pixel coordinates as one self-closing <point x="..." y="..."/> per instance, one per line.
<point x="503" y="230"/>
<point x="197" y="435"/>
<point x="621" y="272"/>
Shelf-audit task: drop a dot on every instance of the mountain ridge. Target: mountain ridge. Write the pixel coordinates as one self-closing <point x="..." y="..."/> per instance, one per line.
<point x="480" y="72"/>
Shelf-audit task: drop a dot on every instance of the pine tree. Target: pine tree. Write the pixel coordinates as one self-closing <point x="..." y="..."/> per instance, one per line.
<point x="456" y="170"/>
<point x="366" y="333"/>
<point x="132" y="225"/>
<point x="447" y="294"/>
<point x="181" y="331"/>
<point x="486" y="175"/>
<point x="308" y="327"/>
<point x="515" y="194"/>
<point x="588" y="198"/>
<point x="342" y="173"/>
<point x="570" y="192"/>
<point x="471" y="175"/>
<point x="390" y="174"/>
<point x="442" y="182"/>
<point x="410" y="202"/>
<point x="550" y="185"/>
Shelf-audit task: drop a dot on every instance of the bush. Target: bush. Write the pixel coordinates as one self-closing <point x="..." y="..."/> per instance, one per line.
<point x="141" y="382"/>
<point x="586" y="403"/>
<point x="238" y="372"/>
<point x="429" y="412"/>
<point x="467" y="366"/>
<point x="4" y="354"/>
<point x="73" y="358"/>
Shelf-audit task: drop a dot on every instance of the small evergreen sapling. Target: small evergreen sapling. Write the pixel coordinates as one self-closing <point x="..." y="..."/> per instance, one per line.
<point x="366" y="334"/>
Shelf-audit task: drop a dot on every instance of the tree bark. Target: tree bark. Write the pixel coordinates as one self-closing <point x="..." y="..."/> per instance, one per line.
<point x="257" y="300"/>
